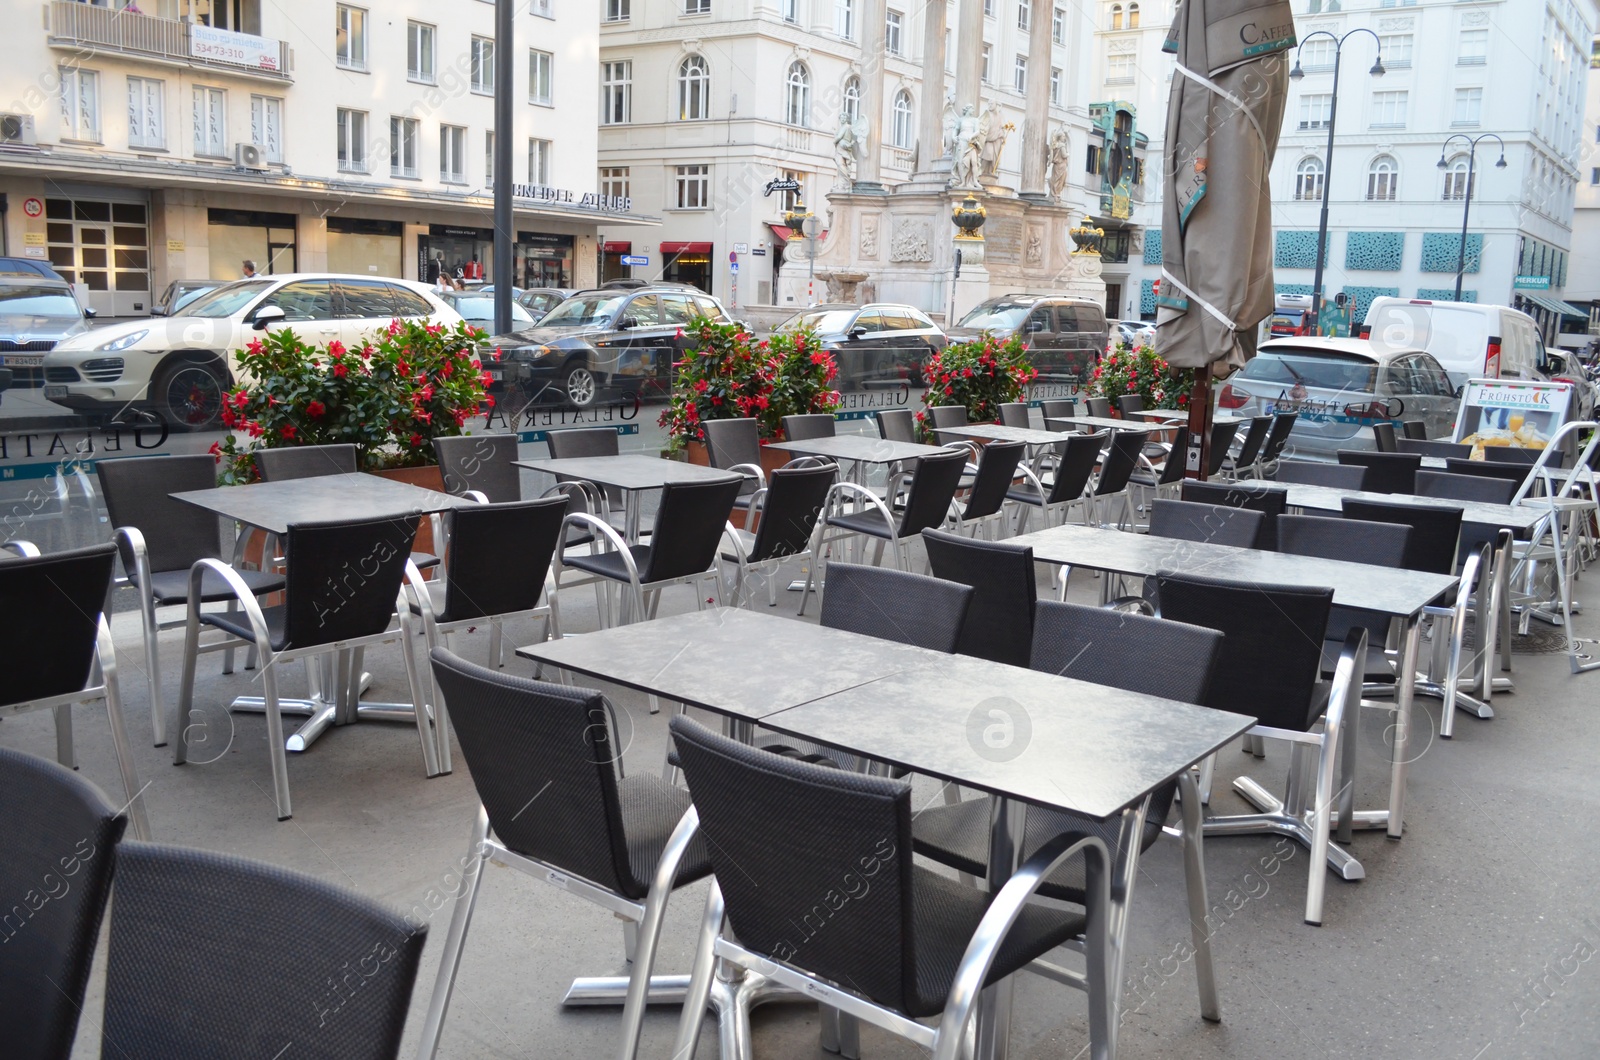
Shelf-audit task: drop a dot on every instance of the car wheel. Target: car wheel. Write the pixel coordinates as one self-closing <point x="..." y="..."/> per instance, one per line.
<point x="581" y="386"/>
<point x="190" y="395"/>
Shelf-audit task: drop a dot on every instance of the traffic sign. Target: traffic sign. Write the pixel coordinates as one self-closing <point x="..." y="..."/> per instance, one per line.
<point x="741" y="248"/>
<point x="733" y="267"/>
<point x="635" y="259"/>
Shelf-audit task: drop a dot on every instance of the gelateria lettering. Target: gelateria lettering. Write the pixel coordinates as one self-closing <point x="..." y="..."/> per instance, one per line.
<point x="47" y="445"/>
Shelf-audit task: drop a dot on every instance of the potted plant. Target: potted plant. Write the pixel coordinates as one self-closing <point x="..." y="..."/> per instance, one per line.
<point x="982" y="375"/>
<point x="1140" y="370"/>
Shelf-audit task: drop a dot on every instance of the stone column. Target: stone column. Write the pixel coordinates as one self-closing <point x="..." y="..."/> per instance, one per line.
<point x="1036" y="114"/>
<point x="874" y="22"/>
<point x="930" y="125"/>
<point x="969" y="56"/>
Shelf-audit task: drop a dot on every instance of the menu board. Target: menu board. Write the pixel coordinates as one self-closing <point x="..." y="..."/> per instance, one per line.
<point x="1510" y="412"/>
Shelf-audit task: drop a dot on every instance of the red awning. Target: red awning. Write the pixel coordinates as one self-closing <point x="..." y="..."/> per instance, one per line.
<point x="686" y="248"/>
<point x="619" y="248"/>
<point x="783" y="232"/>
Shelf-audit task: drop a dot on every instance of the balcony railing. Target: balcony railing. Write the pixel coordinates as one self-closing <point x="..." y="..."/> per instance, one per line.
<point x="83" y="25"/>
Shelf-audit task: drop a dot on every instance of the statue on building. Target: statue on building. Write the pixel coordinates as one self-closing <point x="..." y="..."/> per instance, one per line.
<point x="1056" y="160"/>
<point x="967" y="151"/>
<point x="848" y="145"/>
<point x="992" y="133"/>
<point x="948" y="125"/>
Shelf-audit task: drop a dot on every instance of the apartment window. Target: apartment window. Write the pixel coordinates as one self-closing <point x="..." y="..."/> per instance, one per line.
<point x="146" y="123"/>
<point x="697" y="7"/>
<point x="1474" y="49"/>
<point x="488" y="160"/>
<point x="539" y="67"/>
<point x="1058" y="26"/>
<point x="1308" y="180"/>
<point x="851" y="107"/>
<point x="1469" y="106"/>
<point x="988" y="8"/>
<point x="1315" y="109"/>
<point x="350" y="37"/>
<point x="1388" y="110"/>
<point x="1019" y="74"/>
<point x="1055" y="86"/>
<point x="694" y="187"/>
<point x="844" y="18"/>
<point x="1024" y="10"/>
<point x="616" y="93"/>
<point x="541" y="8"/>
<point x="902" y="126"/>
<point x="420" y="51"/>
<point x="988" y="61"/>
<point x="1119" y="68"/>
<point x="1133" y="16"/>
<point x="452" y="154"/>
<point x="791" y="10"/>
<point x="1395" y="49"/>
<point x="266" y="126"/>
<point x="893" y="24"/>
<point x="403" y="135"/>
<point x="797" y="97"/>
<point x="1116" y="16"/>
<point x="1316" y="54"/>
<point x="210" y="121"/>
<point x="614" y="182"/>
<point x="1594" y="177"/>
<point x="80" y="103"/>
<point x="1383" y="179"/>
<point x="617" y="10"/>
<point x="539" y="164"/>
<point x="483" y="65"/>
<point x="352" y="141"/>
<point x="694" y="90"/>
<point x="1456" y="184"/>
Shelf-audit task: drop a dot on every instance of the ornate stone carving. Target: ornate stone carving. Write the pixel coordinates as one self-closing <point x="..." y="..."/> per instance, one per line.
<point x="912" y="240"/>
<point x="869" y="237"/>
<point x="848" y="144"/>
<point x="968" y="147"/>
<point x="1058" y="161"/>
<point x="1127" y="44"/>
<point x="1475" y="18"/>
<point x="1390" y="25"/>
<point x="1033" y="253"/>
<point x="992" y="132"/>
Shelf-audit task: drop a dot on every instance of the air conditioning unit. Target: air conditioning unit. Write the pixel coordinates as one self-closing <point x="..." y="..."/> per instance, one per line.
<point x="249" y="156"/>
<point x="17" y="129"/>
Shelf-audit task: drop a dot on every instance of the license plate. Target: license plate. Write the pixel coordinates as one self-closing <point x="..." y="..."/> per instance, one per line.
<point x="12" y="360"/>
<point x="496" y="374"/>
<point x="55" y="391"/>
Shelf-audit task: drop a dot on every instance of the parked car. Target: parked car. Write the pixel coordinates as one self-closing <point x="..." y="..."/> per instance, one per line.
<point x="35" y="314"/>
<point x="28" y="268"/>
<point x="180" y="293"/>
<point x="536" y="300"/>
<point x="1472" y="341"/>
<point x="1065" y="336"/>
<point x="1340" y="388"/>
<point x="180" y="366"/>
<point x="620" y="341"/>
<point x="1561" y="366"/>
<point x="877" y="346"/>
<point x="477" y="309"/>
<point x="1133" y="332"/>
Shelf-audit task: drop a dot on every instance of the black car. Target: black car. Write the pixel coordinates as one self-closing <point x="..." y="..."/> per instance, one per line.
<point x="29" y="269"/>
<point x="877" y="346"/>
<point x="620" y="342"/>
<point x="1065" y="336"/>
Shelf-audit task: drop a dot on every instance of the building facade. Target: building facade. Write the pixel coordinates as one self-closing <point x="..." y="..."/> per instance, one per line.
<point x="173" y="139"/>
<point x="1583" y="279"/>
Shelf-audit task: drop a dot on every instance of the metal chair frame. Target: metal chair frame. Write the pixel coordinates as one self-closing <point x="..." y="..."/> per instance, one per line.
<point x="740" y="546"/>
<point x="642" y="599"/>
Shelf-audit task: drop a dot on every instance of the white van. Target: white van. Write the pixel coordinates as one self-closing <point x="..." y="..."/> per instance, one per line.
<point x="1471" y="341"/>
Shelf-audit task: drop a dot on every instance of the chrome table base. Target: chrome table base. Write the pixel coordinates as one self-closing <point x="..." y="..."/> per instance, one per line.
<point x="321" y="712"/>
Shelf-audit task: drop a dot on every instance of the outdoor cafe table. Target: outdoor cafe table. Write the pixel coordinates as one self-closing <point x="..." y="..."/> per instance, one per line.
<point x="1091" y="749"/>
<point x="632" y="473"/>
<point x="1399" y="594"/>
<point x="1181" y="414"/>
<point x="1103" y="423"/>
<point x="859" y="449"/>
<point x="273" y="507"/>
<point x="999" y="432"/>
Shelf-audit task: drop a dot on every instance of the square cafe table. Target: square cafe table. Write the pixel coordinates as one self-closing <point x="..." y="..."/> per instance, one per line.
<point x="999" y="432"/>
<point x="632" y="473"/>
<point x="1102" y="423"/>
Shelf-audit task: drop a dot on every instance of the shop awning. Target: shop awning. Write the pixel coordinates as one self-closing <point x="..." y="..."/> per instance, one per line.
<point x="785" y="233"/>
<point x="1556" y="305"/>
<point x="614" y="247"/>
<point x="686" y="248"/>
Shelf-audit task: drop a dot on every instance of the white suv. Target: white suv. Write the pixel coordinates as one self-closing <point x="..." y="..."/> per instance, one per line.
<point x="180" y="366"/>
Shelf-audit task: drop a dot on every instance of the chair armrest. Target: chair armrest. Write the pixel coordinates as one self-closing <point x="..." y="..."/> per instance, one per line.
<point x="476" y="496"/>
<point x="237" y="588"/>
<point x="841" y="489"/>
<point x="594" y="498"/>
<point x="750" y="471"/>
<point x="758" y="501"/>
<point x="1033" y="481"/>
<point x="606" y="532"/>
<point x="732" y="536"/>
<point x="130" y="542"/>
<point x="25" y="549"/>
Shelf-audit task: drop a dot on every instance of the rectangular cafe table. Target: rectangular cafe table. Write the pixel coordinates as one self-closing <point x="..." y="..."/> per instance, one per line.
<point x="1102" y="423"/>
<point x="860" y="450"/>
<point x="1177" y="415"/>
<point x="632" y="473"/>
<point x="999" y="432"/>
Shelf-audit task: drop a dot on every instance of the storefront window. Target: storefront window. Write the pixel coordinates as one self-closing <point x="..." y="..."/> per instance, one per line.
<point x="544" y="260"/>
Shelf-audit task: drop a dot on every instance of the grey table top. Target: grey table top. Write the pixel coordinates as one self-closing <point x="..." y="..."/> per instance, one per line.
<point x="999" y="432"/>
<point x="1099" y="423"/>
<point x="1180" y="414"/>
<point x="630" y="471"/>
<point x="1331" y="498"/>
<point x="859" y="447"/>
<point x="732" y="661"/>
<point x="1364" y="586"/>
<point x="1017" y="733"/>
<point x="272" y="506"/>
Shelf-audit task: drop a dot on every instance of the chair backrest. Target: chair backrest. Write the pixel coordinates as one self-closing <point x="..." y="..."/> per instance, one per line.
<point x="999" y="624"/>
<point x="1435" y="530"/>
<point x="482" y="462"/>
<point x="583" y="441"/>
<point x="933" y="487"/>
<point x="1014" y="413"/>
<point x="1267" y="499"/>
<point x="948" y="415"/>
<point x="499" y="556"/>
<point x="1311" y="473"/>
<point x="137" y="492"/>
<point x="1255" y="437"/>
<point x="1122" y="459"/>
<point x="272" y="940"/>
<point x="1351" y="540"/>
<point x="344" y="577"/>
<point x="996" y="469"/>
<point x="897" y="425"/>
<point x="1278" y="438"/>
<point x="1465" y="487"/>
<point x="1053" y="407"/>
<point x="1155" y="656"/>
<point x="1130" y="405"/>
<point x="1209" y="523"/>
<point x="794" y="500"/>
<point x="1097" y="406"/>
<point x="1416" y="430"/>
<point x="810" y="425"/>
<point x="1271" y="654"/>
<point x="1423" y="447"/>
<point x="730" y="442"/>
<point x="50" y="609"/>
<point x="895" y="605"/>
<point x="1386" y="472"/>
<point x="1079" y="453"/>
<point x="306" y="461"/>
<point x="783" y="835"/>
<point x="1172" y="470"/>
<point x="519" y="735"/>
<point x="57" y="852"/>
<point x="1221" y="438"/>
<point x="688" y="528"/>
<point x="1510" y="472"/>
<point x="1524" y="458"/>
<point x="1383" y="436"/>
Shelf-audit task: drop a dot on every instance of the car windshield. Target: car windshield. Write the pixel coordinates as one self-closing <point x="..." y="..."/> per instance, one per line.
<point x="826" y="321"/>
<point x="224" y="301"/>
<point x="477" y="307"/>
<point x="997" y="316"/>
<point x="584" y="310"/>
<point x="1325" y="370"/>
<point x="187" y="295"/>
<point x="37" y="302"/>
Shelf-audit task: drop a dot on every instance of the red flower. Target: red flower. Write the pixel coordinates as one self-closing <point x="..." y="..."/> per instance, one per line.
<point x="241" y="399"/>
<point x="315" y="409"/>
<point x="366" y="352"/>
<point x="216" y="450"/>
<point x="340" y="371"/>
<point x="254" y="347"/>
<point x="228" y="418"/>
<point x="336" y="348"/>
<point x="497" y="349"/>
<point x="488" y="399"/>
<point x="425" y="417"/>
<point x="488" y="380"/>
<point x="820" y="358"/>
<point x="701" y="385"/>
<point x="288" y="431"/>
<point x="416" y="439"/>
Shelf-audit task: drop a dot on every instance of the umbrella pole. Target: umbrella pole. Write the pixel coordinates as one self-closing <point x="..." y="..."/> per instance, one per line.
<point x="1197" y="459"/>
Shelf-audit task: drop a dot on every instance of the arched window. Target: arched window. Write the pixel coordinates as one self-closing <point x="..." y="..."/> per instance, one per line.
<point x="1308" y="180"/>
<point x="851" y="108"/>
<point x="1383" y="179"/>
<point x="797" y="99"/>
<point x="1133" y="16"/>
<point x="1455" y="179"/>
<point x="1116" y="16"/>
<point x="902" y="126"/>
<point x="694" y="89"/>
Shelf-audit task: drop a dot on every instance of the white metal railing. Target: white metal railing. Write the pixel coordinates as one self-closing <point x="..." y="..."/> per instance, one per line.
<point x="77" y="23"/>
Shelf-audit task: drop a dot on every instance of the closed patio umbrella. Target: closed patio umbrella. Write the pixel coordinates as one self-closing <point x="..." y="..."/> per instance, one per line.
<point x="1223" y="118"/>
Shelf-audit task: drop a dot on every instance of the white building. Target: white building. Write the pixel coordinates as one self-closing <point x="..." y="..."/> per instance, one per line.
<point x="1583" y="278"/>
<point x="174" y="139"/>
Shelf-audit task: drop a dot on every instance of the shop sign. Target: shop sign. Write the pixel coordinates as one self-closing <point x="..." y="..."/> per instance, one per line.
<point x="225" y="46"/>
<point x="1531" y="283"/>
<point x="588" y="200"/>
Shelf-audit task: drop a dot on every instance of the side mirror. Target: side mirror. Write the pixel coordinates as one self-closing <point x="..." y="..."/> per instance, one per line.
<point x="1034" y="326"/>
<point x="158" y="310"/>
<point x="266" y="316"/>
<point x="90" y="313"/>
<point x="857" y="332"/>
<point x="627" y="323"/>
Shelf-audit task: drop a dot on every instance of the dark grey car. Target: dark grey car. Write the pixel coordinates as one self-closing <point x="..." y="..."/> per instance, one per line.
<point x="877" y="346"/>
<point x="35" y="314"/>
<point x="1065" y="336"/>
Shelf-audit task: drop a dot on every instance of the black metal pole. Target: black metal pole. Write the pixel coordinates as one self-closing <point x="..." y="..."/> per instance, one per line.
<point x="505" y="236"/>
<point x="1461" y="254"/>
<point x="1327" y="182"/>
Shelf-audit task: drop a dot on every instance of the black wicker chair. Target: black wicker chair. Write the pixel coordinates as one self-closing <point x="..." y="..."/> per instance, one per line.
<point x="481" y="463"/>
<point x="1164" y="482"/>
<point x="1246" y="463"/>
<point x="1121" y="460"/>
<point x="948" y="416"/>
<point x="1415" y="430"/>
<point x="1381" y="544"/>
<point x="61" y="835"/>
<point x="999" y="622"/>
<point x="896" y="605"/>
<point x="1262" y="497"/>
<point x="583" y="441"/>
<point x="1435" y="530"/>
<point x="1130" y="405"/>
<point x="1386" y="472"/>
<point x="1222" y="435"/>
<point x="897" y="425"/>
<point x="1423" y="447"/>
<point x="1014" y="414"/>
<point x="1073" y="462"/>
<point x="1055" y="408"/>
<point x="1098" y="407"/>
<point x="789" y="506"/>
<point x="1310" y="473"/>
<point x="735" y="445"/>
<point x="991" y="485"/>
<point x="1212" y="524"/>
<point x="306" y="461"/>
<point x="1383" y="437"/>
<point x="809" y="425"/>
<point x="1277" y="441"/>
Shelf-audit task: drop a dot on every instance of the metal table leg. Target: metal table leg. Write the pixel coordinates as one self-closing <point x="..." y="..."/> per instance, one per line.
<point x="1405" y="693"/>
<point x="1007" y="820"/>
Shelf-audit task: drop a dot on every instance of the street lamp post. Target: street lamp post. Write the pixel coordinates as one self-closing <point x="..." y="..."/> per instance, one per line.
<point x="799" y="219"/>
<point x="1466" y="195"/>
<point x="1327" y="162"/>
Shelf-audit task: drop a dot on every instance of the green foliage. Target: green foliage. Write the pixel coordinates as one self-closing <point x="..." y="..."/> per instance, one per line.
<point x="1144" y="372"/>
<point x="982" y="375"/>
